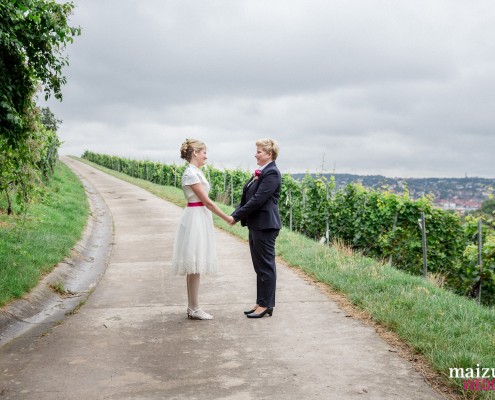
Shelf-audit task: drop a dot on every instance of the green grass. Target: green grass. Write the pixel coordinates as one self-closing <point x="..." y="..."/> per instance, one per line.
<point x="31" y="244"/>
<point x="448" y="330"/>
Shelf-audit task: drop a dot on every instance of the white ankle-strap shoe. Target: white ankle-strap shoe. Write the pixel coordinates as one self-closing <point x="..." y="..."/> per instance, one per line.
<point x="198" y="314"/>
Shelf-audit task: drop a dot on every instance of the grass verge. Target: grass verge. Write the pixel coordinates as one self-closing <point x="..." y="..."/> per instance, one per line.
<point x="449" y="331"/>
<point x="31" y="244"/>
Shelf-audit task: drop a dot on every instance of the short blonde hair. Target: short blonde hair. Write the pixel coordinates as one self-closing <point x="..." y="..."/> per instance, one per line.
<point x="269" y="146"/>
<point x="189" y="146"/>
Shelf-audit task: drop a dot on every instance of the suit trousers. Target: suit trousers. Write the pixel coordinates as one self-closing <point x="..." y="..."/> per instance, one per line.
<point x="262" y="246"/>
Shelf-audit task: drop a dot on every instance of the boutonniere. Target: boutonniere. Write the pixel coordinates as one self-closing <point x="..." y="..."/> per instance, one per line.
<point x="257" y="173"/>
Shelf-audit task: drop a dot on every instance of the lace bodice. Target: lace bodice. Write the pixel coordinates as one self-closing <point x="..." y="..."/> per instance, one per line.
<point x="193" y="175"/>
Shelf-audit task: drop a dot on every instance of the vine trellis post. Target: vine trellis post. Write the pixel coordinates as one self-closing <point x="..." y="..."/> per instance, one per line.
<point x="394" y="226"/>
<point x="423" y="240"/>
<point x="288" y="201"/>
<point x="303" y="207"/>
<point x="49" y="156"/>
<point x="480" y="253"/>
<point x="327" y="228"/>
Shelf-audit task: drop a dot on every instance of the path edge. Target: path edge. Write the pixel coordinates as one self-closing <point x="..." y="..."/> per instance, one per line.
<point x="43" y="308"/>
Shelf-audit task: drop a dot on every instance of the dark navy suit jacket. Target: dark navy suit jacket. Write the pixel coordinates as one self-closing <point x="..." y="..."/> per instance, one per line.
<point x="259" y="203"/>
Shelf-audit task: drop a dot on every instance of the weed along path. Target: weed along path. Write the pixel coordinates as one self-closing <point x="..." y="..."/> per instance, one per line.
<point x="132" y="340"/>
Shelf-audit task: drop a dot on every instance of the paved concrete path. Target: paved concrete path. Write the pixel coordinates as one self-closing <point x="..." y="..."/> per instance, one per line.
<point x="132" y="340"/>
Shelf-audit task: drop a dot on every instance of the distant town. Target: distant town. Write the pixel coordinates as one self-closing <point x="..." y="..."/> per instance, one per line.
<point x="460" y="194"/>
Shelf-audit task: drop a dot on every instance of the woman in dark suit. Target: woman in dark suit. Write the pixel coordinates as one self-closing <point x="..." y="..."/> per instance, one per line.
<point x="258" y="211"/>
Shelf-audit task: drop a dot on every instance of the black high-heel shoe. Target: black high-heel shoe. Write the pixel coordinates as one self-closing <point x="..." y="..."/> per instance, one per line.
<point x="250" y="311"/>
<point x="268" y="311"/>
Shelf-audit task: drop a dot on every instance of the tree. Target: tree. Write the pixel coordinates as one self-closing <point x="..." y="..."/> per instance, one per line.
<point x="48" y="119"/>
<point x="33" y="36"/>
<point x="488" y="207"/>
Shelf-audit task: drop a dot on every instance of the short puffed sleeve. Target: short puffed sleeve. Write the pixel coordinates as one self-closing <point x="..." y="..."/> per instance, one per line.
<point x="190" y="178"/>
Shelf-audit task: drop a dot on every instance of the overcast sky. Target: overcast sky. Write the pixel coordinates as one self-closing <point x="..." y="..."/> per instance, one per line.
<point x="398" y="88"/>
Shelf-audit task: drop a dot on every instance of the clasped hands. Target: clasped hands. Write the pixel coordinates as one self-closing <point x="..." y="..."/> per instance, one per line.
<point x="231" y="220"/>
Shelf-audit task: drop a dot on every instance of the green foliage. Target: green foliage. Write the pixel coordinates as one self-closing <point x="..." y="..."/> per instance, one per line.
<point x="24" y="167"/>
<point x="467" y="276"/>
<point x="32" y="243"/>
<point x="226" y="186"/>
<point x="380" y="224"/>
<point x="33" y="35"/>
<point x="488" y="208"/>
<point x="48" y="119"/>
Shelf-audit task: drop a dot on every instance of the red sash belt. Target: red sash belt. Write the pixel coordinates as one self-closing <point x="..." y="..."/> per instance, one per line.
<point x="197" y="204"/>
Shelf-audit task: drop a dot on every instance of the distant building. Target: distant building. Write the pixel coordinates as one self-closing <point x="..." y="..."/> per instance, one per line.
<point x="444" y="205"/>
<point x="459" y="205"/>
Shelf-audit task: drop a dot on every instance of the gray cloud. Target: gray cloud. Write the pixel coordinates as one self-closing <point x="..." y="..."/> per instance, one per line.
<point x="372" y="87"/>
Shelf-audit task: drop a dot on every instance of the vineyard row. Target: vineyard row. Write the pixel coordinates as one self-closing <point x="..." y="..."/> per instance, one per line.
<point x="380" y="224"/>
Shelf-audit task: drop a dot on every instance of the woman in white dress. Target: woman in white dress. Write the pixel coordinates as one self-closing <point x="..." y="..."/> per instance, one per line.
<point x="194" y="247"/>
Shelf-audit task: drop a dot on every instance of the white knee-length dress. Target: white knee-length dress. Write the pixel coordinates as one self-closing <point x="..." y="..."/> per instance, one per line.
<point x="194" y="246"/>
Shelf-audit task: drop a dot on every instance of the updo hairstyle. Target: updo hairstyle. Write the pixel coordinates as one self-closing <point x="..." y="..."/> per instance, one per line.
<point x="269" y="146"/>
<point x="189" y="147"/>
